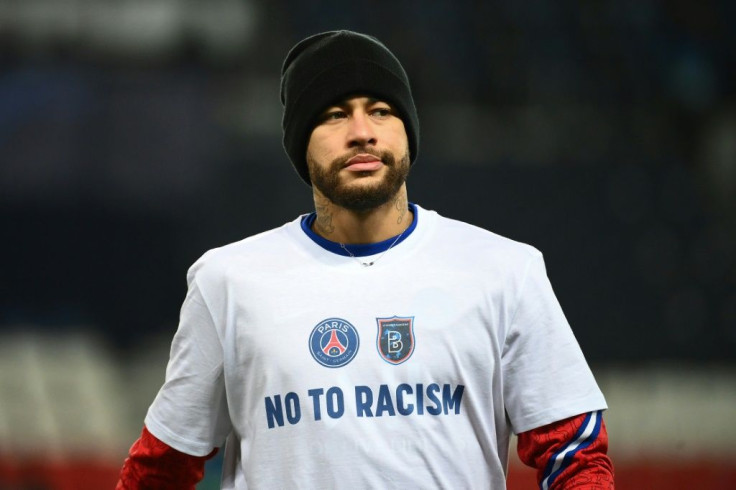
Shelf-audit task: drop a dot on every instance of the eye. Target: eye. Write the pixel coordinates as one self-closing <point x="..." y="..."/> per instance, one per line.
<point x="381" y="112"/>
<point x="333" y="115"/>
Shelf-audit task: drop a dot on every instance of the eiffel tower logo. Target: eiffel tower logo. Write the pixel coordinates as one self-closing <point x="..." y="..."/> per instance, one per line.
<point x="334" y="347"/>
<point x="334" y="342"/>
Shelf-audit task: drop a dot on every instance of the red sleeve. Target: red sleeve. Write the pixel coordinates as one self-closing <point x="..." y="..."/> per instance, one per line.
<point x="152" y="464"/>
<point x="569" y="454"/>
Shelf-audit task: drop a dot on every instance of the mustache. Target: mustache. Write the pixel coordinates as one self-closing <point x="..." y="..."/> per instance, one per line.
<point x="385" y="156"/>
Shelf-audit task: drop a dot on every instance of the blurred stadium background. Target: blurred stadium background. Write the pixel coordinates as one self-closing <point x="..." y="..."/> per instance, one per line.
<point x="136" y="134"/>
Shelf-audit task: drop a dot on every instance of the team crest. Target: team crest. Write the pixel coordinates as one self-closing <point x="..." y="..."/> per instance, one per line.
<point x="334" y="342"/>
<point x="395" y="339"/>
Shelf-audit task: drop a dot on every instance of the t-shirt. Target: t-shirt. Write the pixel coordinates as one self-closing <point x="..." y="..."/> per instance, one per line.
<point x="319" y="372"/>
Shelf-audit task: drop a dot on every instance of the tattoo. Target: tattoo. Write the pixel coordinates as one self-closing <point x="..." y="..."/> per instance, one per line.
<point x="324" y="216"/>
<point x="402" y="206"/>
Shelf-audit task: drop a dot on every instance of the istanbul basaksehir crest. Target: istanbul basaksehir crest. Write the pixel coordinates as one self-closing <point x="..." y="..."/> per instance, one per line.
<point x="395" y="338"/>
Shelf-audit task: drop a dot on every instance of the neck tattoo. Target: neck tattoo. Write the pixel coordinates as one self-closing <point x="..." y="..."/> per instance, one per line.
<point x="368" y="264"/>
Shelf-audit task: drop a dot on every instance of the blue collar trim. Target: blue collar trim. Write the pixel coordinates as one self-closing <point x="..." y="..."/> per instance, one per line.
<point x="360" y="249"/>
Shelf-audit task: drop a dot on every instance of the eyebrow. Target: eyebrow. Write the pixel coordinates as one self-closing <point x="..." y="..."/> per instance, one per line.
<point x="344" y="102"/>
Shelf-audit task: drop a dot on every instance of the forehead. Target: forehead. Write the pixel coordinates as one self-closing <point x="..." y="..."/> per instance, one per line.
<point x="357" y="100"/>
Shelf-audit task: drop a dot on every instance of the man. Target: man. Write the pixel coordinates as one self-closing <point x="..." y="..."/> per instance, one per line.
<point x="372" y="343"/>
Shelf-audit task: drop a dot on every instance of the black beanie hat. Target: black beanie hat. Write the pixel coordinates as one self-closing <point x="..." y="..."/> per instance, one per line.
<point x="324" y="68"/>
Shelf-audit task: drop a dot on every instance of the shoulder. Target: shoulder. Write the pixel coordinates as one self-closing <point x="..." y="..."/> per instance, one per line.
<point x="465" y="241"/>
<point x="244" y="254"/>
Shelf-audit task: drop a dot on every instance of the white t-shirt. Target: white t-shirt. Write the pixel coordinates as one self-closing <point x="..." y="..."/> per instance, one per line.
<point x="319" y="372"/>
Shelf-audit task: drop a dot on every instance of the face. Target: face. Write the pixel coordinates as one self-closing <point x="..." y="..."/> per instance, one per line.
<point x="358" y="154"/>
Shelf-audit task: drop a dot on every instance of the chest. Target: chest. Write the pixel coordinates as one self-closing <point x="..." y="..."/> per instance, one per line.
<point x="360" y="328"/>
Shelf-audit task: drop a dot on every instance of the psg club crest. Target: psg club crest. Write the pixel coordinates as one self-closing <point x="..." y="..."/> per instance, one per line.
<point x="395" y="339"/>
<point x="334" y="342"/>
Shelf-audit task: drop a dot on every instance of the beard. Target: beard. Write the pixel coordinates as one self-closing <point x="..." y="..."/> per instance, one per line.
<point x="359" y="197"/>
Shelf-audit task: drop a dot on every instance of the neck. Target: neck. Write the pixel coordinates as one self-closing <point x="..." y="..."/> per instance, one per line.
<point x="342" y="225"/>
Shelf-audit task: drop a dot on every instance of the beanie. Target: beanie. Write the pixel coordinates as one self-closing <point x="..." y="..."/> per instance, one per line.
<point x="324" y="68"/>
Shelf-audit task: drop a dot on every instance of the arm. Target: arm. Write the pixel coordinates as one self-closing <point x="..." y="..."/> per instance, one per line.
<point x="569" y="454"/>
<point x="152" y="463"/>
<point x="188" y="419"/>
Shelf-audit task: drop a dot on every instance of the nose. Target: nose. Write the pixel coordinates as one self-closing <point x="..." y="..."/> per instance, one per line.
<point x="360" y="130"/>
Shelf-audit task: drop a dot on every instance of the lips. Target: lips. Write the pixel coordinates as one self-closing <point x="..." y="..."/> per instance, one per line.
<point x="364" y="162"/>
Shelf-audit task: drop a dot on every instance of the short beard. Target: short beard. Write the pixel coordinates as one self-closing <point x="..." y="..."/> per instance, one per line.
<point x="360" y="197"/>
